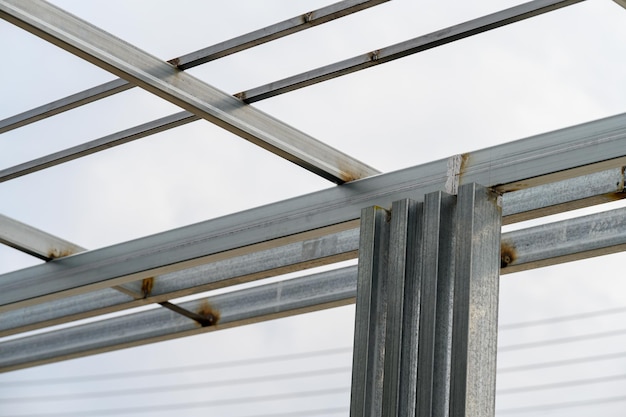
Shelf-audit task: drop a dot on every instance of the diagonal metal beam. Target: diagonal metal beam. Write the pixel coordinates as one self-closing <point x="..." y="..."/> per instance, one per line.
<point x="416" y="45"/>
<point x="172" y="84"/>
<point x="220" y="50"/>
<point x="406" y="48"/>
<point x="33" y="241"/>
<point x="542" y="159"/>
<point x="621" y="3"/>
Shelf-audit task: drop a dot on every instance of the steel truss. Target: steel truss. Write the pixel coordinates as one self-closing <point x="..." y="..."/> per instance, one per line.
<point x="427" y="238"/>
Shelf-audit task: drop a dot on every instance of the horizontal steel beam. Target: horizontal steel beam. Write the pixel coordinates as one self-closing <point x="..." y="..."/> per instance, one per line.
<point x="180" y="88"/>
<point x="557" y="197"/>
<point x="33" y="241"/>
<point x="281" y="299"/>
<point x="579" y="238"/>
<point x="568" y="240"/>
<point x="309" y="253"/>
<point x="409" y="47"/>
<point x="542" y="159"/>
<point x="402" y="49"/>
<point x="301" y="255"/>
<point x="220" y="50"/>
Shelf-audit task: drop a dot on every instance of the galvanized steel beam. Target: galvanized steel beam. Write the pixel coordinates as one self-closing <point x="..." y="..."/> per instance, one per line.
<point x="308" y="253"/>
<point x="178" y="87"/>
<point x="538" y="160"/>
<point x="402" y="49"/>
<point x="33" y="241"/>
<point x="220" y="50"/>
<point x="256" y="94"/>
<point x="436" y="297"/>
<point x="281" y="299"/>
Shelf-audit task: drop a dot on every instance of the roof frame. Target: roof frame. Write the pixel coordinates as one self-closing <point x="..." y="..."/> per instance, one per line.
<point x="170" y="83"/>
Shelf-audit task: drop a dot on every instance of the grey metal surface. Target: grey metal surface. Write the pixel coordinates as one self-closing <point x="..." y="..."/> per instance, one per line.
<point x="370" y="317"/>
<point x="560" y="196"/>
<point x="621" y="3"/>
<point x="132" y="326"/>
<point x="403" y="308"/>
<point x="402" y="49"/>
<point x="33" y="241"/>
<point x="562" y="154"/>
<point x="220" y="50"/>
<point x="281" y="299"/>
<point x="568" y="240"/>
<point x="180" y="88"/>
<point x="475" y="315"/>
<point x="436" y="302"/>
<point x="308" y="253"/>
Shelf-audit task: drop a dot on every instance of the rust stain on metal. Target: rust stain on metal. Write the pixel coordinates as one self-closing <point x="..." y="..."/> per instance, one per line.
<point x="56" y="253"/>
<point x="175" y="62"/>
<point x="241" y="96"/>
<point x="210" y="315"/>
<point x="374" y="55"/>
<point x="508" y="254"/>
<point x="464" y="160"/>
<point x="146" y="286"/>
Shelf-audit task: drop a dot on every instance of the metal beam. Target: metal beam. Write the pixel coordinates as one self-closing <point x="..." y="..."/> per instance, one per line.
<point x="178" y="87"/>
<point x="154" y="325"/>
<point x="409" y="47"/>
<point x="521" y="250"/>
<point x="307" y="253"/>
<point x="281" y="299"/>
<point x="193" y="59"/>
<point x="621" y="3"/>
<point x="402" y="49"/>
<point x="569" y="240"/>
<point x="33" y="241"/>
<point x="538" y="160"/>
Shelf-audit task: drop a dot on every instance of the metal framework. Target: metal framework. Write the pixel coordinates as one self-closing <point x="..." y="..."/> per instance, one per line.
<point x="427" y="238"/>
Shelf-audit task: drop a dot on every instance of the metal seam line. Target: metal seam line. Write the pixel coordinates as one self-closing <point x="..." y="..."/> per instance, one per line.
<point x="555" y="156"/>
<point x="403" y="49"/>
<point x="180" y="88"/>
<point x="220" y="50"/>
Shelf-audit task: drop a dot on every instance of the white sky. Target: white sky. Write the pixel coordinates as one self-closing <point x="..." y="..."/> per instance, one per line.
<point x="549" y="72"/>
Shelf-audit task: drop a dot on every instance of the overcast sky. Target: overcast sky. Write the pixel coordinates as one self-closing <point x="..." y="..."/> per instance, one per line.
<point x="546" y="73"/>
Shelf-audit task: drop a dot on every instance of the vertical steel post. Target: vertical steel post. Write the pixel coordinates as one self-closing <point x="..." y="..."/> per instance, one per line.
<point x="475" y="326"/>
<point x="427" y="300"/>
<point x="370" y="316"/>
<point x="437" y="270"/>
<point x="403" y="289"/>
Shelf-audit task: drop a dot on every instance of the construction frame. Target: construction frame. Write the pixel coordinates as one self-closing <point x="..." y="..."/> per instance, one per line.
<point x="428" y="240"/>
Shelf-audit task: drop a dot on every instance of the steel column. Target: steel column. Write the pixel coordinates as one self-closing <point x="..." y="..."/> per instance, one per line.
<point x="452" y="253"/>
<point x="475" y="321"/>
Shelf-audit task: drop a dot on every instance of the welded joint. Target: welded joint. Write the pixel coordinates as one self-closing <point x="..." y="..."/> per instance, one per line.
<point x="307" y="17"/>
<point x="374" y="55"/>
<point x="455" y="168"/>
<point x="207" y="316"/>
